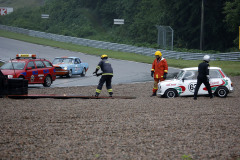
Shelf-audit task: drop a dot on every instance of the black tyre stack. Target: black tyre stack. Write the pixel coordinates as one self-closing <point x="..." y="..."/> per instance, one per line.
<point x="3" y="85"/>
<point x="17" y="86"/>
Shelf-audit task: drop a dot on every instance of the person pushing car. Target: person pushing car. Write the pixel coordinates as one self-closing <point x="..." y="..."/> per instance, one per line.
<point x="203" y="76"/>
<point x="159" y="70"/>
<point x="107" y="74"/>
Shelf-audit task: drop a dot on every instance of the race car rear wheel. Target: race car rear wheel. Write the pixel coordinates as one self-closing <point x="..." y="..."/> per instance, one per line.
<point x="83" y="72"/>
<point x="222" y="91"/>
<point x="47" y="81"/>
<point x="170" y="93"/>
<point x="69" y="75"/>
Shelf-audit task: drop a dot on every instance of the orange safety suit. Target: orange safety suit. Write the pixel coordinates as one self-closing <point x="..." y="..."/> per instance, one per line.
<point x="159" y="67"/>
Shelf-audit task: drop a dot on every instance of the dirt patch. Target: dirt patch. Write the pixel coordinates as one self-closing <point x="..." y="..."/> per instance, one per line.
<point x="142" y="128"/>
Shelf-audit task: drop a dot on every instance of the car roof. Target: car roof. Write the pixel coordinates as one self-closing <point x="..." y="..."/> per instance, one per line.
<point x="26" y="59"/>
<point x="196" y="68"/>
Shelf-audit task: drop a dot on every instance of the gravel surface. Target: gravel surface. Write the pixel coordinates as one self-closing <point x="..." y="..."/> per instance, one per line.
<point x="142" y="128"/>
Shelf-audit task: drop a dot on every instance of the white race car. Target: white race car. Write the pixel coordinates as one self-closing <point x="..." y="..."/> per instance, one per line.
<point x="185" y="82"/>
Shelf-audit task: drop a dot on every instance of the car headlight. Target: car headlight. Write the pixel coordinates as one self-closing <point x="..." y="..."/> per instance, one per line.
<point x="65" y="68"/>
<point x="10" y="76"/>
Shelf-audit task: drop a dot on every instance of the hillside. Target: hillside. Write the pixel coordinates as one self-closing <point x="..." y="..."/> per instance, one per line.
<point x="16" y="4"/>
<point x="93" y="19"/>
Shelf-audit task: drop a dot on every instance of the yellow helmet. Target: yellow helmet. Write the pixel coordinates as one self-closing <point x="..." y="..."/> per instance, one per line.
<point x="104" y="56"/>
<point x="158" y="53"/>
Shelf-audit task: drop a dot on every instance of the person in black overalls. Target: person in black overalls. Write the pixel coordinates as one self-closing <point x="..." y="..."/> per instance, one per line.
<point x="203" y="76"/>
<point x="107" y="74"/>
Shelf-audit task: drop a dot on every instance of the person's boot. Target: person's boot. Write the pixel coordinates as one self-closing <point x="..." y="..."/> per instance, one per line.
<point x="110" y="94"/>
<point x="154" y="94"/>
<point x="97" y="94"/>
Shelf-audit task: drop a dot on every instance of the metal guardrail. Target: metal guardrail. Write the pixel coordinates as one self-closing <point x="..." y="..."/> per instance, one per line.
<point x="231" y="56"/>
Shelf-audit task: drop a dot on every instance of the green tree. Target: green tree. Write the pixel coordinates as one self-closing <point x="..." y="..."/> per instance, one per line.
<point x="232" y="17"/>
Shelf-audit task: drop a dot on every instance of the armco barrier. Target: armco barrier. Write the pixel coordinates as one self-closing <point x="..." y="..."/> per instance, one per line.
<point x="231" y="56"/>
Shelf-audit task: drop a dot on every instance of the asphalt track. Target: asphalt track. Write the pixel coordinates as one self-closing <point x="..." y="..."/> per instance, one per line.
<point x="124" y="71"/>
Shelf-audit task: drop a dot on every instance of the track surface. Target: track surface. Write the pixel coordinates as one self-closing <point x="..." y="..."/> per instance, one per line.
<point x="124" y="71"/>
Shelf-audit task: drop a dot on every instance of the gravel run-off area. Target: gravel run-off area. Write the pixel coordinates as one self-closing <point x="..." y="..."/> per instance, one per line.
<point x="142" y="128"/>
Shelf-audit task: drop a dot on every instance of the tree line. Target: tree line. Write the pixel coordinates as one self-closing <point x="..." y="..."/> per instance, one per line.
<point x="93" y="19"/>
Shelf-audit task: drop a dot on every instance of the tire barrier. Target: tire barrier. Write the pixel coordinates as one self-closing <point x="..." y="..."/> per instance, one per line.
<point x="15" y="86"/>
<point x="3" y="84"/>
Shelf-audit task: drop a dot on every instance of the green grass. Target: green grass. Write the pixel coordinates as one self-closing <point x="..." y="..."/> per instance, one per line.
<point x="230" y="68"/>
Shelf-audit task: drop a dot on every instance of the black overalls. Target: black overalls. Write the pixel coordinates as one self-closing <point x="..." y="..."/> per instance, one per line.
<point x="107" y="74"/>
<point x="203" y="72"/>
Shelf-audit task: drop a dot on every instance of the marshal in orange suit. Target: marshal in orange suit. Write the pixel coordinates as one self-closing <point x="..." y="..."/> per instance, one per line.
<point x="159" y="70"/>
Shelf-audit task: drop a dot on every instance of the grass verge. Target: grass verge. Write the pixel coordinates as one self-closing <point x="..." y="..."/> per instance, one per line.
<point x="230" y="68"/>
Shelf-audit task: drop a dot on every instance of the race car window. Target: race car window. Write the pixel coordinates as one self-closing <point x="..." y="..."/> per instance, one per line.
<point x="47" y="64"/>
<point x="39" y="64"/>
<point x="77" y="61"/>
<point x="14" y="65"/>
<point x="190" y="75"/>
<point x="31" y="64"/>
<point x="67" y="61"/>
<point x="63" y="60"/>
<point x="180" y="74"/>
<point x="214" y="74"/>
<point x="57" y="60"/>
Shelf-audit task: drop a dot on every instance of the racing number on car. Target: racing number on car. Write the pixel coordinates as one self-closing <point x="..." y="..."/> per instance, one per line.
<point x="191" y="87"/>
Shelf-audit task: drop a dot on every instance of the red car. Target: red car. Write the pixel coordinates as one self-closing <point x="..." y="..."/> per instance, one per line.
<point x="27" y="66"/>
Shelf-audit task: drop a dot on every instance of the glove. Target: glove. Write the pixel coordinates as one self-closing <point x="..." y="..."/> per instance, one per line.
<point x="165" y="75"/>
<point x="152" y="72"/>
<point x="98" y="74"/>
<point x="94" y="72"/>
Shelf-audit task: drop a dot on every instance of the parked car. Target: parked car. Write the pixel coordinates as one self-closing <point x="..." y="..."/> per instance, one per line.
<point x="185" y="82"/>
<point x="27" y="66"/>
<point x="68" y="66"/>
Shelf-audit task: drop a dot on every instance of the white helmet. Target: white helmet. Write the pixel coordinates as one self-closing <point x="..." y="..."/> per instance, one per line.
<point x="206" y="58"/>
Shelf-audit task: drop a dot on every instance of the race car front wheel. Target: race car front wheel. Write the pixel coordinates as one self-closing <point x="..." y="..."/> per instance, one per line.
<point x="222" y="92"/>
<point x="170" y="93"/>
<point x="83" y="72"/>
<point x="47" y="81"/>
<point x="69" y="75"/>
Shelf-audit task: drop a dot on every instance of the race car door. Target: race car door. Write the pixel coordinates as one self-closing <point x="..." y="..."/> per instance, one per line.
<point x="32" y="72"/>
<point x="40" y="74"/>
<point x="77" y="66"/>
<point x="189" y="82"/>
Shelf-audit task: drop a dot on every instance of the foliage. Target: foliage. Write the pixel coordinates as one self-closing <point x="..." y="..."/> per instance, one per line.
<point x="94" y="19"/>
<point x="232" y="18"/>
<point x="186" y="157"/>
<point x="16" y="4"/>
